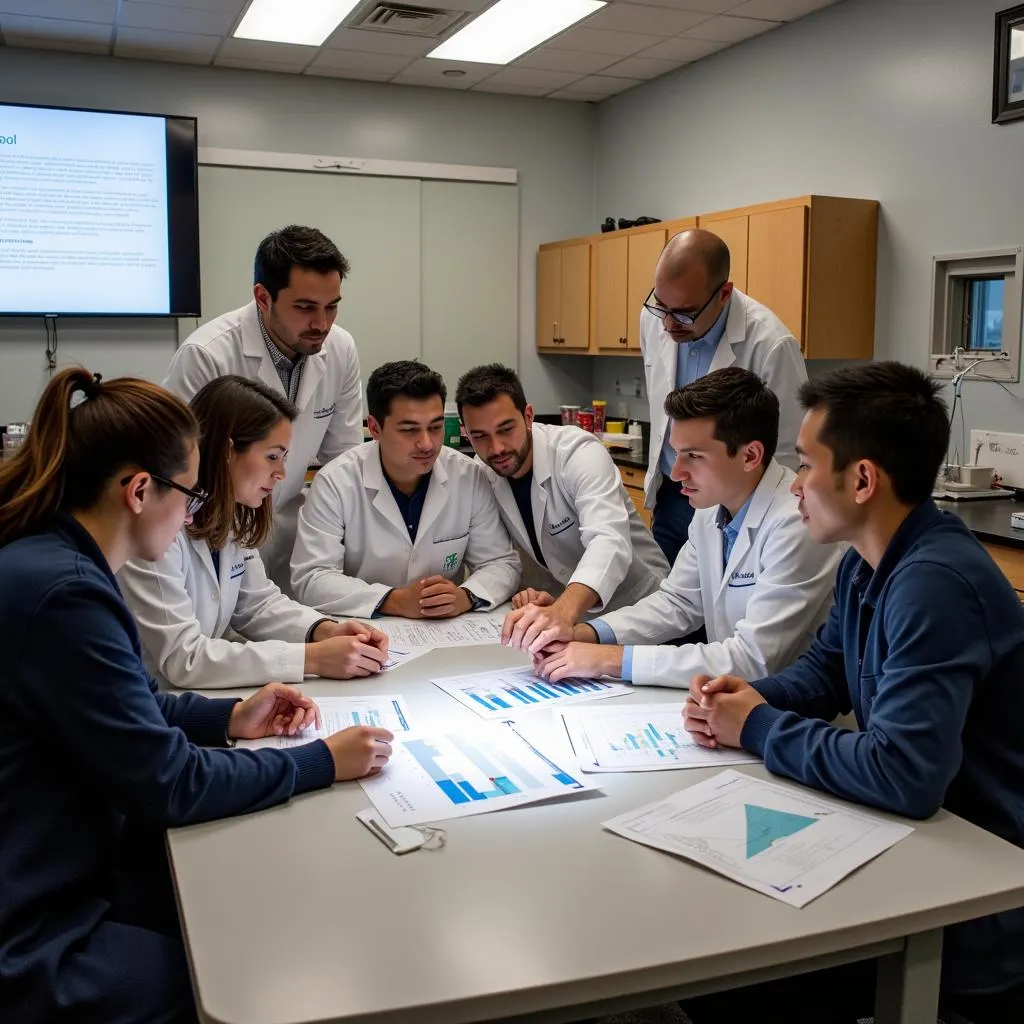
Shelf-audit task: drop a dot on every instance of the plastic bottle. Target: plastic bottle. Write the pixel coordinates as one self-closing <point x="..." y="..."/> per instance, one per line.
<point x="452" y="427"/>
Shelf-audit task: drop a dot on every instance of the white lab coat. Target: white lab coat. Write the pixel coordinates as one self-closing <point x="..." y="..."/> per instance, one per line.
<point x="184" y="609"/>
<point x="756" y="339"/>
<point x="761" y="610"/>
<point x="587" y="526"/>
<point x="330" y="402"/>
<point x="352" y="545"/>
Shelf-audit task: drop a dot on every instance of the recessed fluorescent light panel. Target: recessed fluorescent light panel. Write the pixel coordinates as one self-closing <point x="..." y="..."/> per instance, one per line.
<point x="511" y="27"/>
<point x="308" y="22"/>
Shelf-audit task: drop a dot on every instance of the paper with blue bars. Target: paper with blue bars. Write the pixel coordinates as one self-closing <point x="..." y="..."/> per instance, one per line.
<point x="446" y="774"/>
<point x="506" y="692"/>
<point x="639" y="738"/>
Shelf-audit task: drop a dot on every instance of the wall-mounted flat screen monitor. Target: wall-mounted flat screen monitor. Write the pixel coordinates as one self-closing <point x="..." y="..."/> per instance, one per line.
<point x="99" y="213"/>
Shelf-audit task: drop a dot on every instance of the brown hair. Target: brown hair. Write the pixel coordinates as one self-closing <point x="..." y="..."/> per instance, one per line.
<point x="233" y="412"/>
<point x="71" y="453"/>
<point x="743" y="407"/>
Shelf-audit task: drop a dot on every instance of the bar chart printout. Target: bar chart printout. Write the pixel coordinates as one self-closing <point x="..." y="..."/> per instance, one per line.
<point x="505" y="692"/>
<point x="784" y="841"/>
<point x="388" y="711"/>
<point x="639" y="738"/>
<point x="452" y="774"/>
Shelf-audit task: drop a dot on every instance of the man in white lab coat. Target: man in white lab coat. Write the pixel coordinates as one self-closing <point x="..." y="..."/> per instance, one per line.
<point x="287" y="338"/>
<point x="750" y="572"/>
<point x="693" y="322"/>
<point x="561" y="497"/>
<point x="403" y="525"/>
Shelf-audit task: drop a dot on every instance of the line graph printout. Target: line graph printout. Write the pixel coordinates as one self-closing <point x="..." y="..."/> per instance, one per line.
<point x="387" y="711"/>
<point x="505" y="692"/>
<point x="639" y="738"/>
<point x="451" y="774"/>
<point x="786" y="842"/>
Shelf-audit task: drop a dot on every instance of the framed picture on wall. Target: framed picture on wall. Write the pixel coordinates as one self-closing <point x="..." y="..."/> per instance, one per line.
<point x="1008" y="69"/>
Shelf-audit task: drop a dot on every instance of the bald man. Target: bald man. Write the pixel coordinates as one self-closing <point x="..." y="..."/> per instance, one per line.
<point x="695" y="321"/>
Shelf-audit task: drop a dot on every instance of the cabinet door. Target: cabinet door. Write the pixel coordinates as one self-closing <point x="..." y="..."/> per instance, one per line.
<point x="611" y="307"/>
<point x="574" y="326"/>
<point x="734" y="232"/>
<point x="644" y="250"/>
<point x="549" y="296"/>
<point x="777" y="264"/>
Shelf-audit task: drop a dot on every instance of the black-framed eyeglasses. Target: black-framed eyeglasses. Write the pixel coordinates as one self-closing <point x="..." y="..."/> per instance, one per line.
<point x="197" y="497"/>
<point x="681" y="318"/>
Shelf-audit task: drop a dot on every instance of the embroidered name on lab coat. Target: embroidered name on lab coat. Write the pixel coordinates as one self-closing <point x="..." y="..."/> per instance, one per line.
<point x="741" y="579"/>
<point x="327" y="410"/>
<point x="561" y="526"/>
<point x="238" y="569"/>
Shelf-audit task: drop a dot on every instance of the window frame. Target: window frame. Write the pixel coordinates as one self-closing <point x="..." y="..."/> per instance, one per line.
<point x="951" y="277"/>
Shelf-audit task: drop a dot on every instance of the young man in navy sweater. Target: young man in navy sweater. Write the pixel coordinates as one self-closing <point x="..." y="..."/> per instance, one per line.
<point x="925" y="644"/>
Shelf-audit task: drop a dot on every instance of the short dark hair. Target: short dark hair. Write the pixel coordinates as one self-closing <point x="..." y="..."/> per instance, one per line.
<point x="743" y="407"/>
<point x="295" y="246"/>
<point x="889" y="413"/>
<point x="405" y="377"/>
<point x="486" y="383"/>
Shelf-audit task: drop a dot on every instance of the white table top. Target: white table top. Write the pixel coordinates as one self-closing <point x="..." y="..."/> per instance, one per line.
<point x="298" y="914"/>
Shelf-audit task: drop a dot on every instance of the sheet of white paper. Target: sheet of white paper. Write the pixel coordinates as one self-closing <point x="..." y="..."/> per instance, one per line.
<point x="505" y="692"/>
<point x="640" y="738"/>
<point x="388" y="711"/>
<point x="397" y="656"/>
<point x="462" y="631"/>
<point x="451" y="774"/>
<point x="788" y="843"/>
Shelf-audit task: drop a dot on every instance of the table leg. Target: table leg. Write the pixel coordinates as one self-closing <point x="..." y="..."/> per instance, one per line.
<point x="908" y="982"/>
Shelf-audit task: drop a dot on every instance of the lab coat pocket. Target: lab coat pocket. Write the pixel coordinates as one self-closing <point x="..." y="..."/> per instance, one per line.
<point x="446" y="556"/>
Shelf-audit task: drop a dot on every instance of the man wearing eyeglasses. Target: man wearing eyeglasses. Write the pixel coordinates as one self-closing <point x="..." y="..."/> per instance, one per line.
<point x="695" y="321"/>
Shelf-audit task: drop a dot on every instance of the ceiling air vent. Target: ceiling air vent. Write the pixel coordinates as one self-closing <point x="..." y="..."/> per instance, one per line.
<point x="405" y="19"/>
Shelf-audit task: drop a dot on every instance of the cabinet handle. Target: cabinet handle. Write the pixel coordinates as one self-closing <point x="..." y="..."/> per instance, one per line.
<point x="554" y="332"/>
<point x="623" y="341"/>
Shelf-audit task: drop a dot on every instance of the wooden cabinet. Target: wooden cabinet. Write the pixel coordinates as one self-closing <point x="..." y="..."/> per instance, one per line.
<point x="622" y="271"/>
<point x="812" y="261"/>
<point x="1011" y="562"/>
<point x="633" y="480"/>
<point x="563" y="296"/>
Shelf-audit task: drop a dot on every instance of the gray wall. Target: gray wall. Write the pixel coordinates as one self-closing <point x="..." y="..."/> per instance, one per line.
<point x="551" y="143"/>
<point x="881" y="99"/>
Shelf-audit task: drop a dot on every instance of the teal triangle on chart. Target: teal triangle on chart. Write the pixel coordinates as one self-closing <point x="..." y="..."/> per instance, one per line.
<point x="765" y="826"/>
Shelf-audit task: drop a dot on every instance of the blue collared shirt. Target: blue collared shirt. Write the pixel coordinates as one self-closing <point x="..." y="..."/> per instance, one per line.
<point x="411" y="505"/>
<point x="693" y="360"/>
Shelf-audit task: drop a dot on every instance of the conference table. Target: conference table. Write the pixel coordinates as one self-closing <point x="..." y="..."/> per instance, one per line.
<point x="537" y="914"/>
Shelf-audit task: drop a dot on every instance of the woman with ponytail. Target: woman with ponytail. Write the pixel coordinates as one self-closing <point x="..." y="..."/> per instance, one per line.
<point x="95" y="763"/>
<point x="211" y="580"/>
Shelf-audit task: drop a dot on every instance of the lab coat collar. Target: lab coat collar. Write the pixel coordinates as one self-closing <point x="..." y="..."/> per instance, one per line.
<point x="384" y="501"/>
<point x="735" y="332"/>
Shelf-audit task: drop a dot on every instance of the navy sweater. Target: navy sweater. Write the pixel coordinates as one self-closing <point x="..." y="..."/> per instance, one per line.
<point x="928" y="652"/>
<point x="89" y="750"/>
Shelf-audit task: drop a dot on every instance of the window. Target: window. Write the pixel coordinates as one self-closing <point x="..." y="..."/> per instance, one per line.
<point x="976" y="314"/>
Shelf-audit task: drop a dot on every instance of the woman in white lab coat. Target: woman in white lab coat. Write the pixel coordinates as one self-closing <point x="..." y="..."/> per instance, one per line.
<point x="207" y="613"/>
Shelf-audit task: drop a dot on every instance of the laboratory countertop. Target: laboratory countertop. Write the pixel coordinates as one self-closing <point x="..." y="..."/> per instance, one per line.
<point x="989" y="519"/>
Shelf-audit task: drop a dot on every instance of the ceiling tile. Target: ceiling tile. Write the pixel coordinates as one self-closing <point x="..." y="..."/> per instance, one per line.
<point x="348" y="74"/>
<point x="167" y="56"/>
<point x="727" y="29"/>
<point x="640" y="67"/>
<point x="527" y="81"/>
<point x="473" y="6"/>
<point x="142" y="40"/>
<point x="576" y="96"/>
<point x="778" y="10"/>
<point x="256" y="64"/>
<point x="288" y="54"/>
<point x="174" y="19"/>
<point x="349" y="60"/>
<point x="426" y="71"/>
<point x="682" y="50"/>
<point x="64" y="45"/>
<point x="68" y="10"/>
<point x="379" y="42"/>
<point x="233" y="7"/>
<point x="707" y="7"/>
<point x="604" y="86"/>
<point x="592" y="40"/>
<point x="657" y="21"/>
<point x="548" y="58"/>
<point x="55" y="31"/>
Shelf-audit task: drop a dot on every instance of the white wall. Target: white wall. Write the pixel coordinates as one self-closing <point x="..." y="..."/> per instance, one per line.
<point x="882" y="99"/>
<point x="551" y="143"/>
